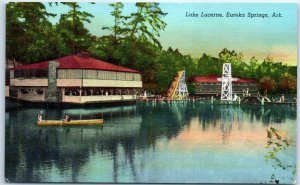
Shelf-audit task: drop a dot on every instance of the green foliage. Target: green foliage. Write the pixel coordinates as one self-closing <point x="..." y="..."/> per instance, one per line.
<point x="268" y="73"/>
<point x="165" y="73"/>
<point x="237" y="65"/>
<point x="288" y="83"/>
<point x="267" y="84"/>
<point x="252" y="69"/>
<point x="208" y="65"/>
<point x="277" y="143"/>
<point x="133" y="42"/>
<point x="102" y="47"/>
<point x="146" y="22"/>
<point x="119" y="21"/>
<point x="71" y="28"/>
<point x="30" y="37"/>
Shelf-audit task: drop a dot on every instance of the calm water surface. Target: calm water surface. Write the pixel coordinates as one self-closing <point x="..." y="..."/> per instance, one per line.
<point x="183" y="142"/>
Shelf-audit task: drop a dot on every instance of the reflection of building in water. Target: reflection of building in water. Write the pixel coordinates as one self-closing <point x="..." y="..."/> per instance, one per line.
<point x="226" y="125"/>
<point x="68" y="148"/>
<point x="163" y="120"/>
<point x="226" y="115"/>
<point x="269" y="114"/>
<point x="179" y="110"/>
<point x="230" y="115"/>
<point x="122" y="143"/>
<point x="208" y="115"/>
<point x="107" y="113"/>
<point x="226" y="120"/>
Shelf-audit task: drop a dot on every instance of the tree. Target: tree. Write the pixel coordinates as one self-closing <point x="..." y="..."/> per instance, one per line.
<point x="208" y="65"/>
<point x="288" y="82"/>
<point x="146" y="22"/>
<point x="30" y="36"/>
<point x="238" y="67"/>
<point x="119" y="20"/>
<point x="133" y="41"/>
<point x="72" y="29"/>
<point x="267" y="84"/>
<point x="230" y="56"/>
<point x="109" y="47"/>
<point x="252" y="68"/>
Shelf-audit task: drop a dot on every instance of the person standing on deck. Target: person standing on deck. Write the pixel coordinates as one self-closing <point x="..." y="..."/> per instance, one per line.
<point x="282" y="98"/>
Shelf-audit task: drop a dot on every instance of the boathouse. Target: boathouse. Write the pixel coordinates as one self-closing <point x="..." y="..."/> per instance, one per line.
<point x="211" y="85"/>
<point x="74" y="79"/>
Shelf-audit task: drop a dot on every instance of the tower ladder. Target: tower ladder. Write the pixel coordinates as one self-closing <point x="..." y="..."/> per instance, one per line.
<point x="226" y="91"/>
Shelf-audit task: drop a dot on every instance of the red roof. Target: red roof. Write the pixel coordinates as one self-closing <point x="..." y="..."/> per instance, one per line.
<point x="199" y="79"/>
<point x="214" y="79"/>
<point x="77" y="62"/>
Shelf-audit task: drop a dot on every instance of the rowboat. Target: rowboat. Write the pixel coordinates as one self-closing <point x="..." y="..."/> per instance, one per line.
<point x="72" y="122"/>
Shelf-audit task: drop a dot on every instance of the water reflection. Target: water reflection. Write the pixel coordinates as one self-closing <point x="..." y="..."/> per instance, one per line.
<point x="132" y="138"/>
<point x="30" y="147"/>
<point x="278" y="143"/>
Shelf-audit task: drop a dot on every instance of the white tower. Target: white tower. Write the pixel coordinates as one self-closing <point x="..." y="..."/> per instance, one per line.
<point x="226" y="92"/>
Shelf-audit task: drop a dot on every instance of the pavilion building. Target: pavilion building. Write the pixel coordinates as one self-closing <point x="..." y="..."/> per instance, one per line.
<point x="211" y="85"/>
<point x="74" y="79"/>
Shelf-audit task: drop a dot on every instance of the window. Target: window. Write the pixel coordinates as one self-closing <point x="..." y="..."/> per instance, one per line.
<point x="30" y="73"/>
<point x="120" y="76"/>
<point x="136" y="77"/>
<point x="69" y="73"/>
<point x="129" y="76"/>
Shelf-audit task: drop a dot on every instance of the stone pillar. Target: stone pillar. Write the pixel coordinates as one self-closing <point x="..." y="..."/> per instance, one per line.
<point x="52" y="94"/>
<point x="63" y="91"/>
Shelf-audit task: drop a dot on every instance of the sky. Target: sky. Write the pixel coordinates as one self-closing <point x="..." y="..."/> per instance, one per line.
<point x="260" y="37"/>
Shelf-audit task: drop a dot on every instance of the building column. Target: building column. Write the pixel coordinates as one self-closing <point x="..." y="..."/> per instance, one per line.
<point x="52" y="95"/>
<point x="63" y="91"/>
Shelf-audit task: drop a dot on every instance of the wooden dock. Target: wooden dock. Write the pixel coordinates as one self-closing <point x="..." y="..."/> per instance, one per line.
<point x="255" y="100"/>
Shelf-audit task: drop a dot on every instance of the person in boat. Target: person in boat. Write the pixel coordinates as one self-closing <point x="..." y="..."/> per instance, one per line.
<point x="67" y="118"/>
<point x="40" y="117"/>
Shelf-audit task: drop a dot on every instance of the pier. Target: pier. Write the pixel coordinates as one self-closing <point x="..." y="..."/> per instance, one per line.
<point x="178" y="93"/>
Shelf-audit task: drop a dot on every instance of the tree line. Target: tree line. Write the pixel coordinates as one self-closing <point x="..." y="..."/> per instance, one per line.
<point x="133" y="41"/>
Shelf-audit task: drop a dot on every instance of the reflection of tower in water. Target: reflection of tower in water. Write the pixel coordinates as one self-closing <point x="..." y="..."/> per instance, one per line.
<point x="230" y="115"/>
<point x="70" y="148"/>
<point x="178" y="109"/>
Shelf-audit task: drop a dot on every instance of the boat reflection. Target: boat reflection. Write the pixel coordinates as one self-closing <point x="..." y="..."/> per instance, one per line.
<point x="66" y="147"/>
<point x="130" y="133"/>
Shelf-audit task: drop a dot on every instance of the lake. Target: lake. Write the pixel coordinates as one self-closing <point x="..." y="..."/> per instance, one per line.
<point x="181" y="142"/>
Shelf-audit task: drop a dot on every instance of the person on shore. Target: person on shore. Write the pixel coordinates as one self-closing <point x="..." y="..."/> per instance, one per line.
<point x="235" y="97"/>
<point x="67" y="118"/>
<point x="265" y="93"/>
<point x="282" y="98"/>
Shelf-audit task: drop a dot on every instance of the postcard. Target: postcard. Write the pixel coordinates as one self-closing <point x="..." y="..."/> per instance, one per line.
<point x="148" y="92"/>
